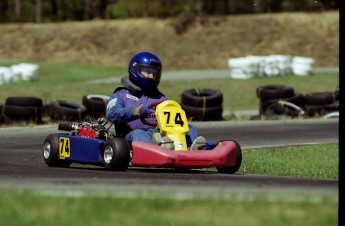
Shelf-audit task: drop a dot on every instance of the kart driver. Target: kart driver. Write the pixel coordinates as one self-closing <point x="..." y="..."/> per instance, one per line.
<point x="129" y="103"/>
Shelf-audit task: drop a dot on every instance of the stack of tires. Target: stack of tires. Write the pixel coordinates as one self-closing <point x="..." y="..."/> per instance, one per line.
<point x="65" y="110"/>
<point x="2" y="117"/>
<point x="277" y="100"/>
<point x="202" y="104"/>
<point x="321" y="103"/>
<point x="28" y="109"/>
<point x="31" y="109"/>
<point x="95" y="105"/>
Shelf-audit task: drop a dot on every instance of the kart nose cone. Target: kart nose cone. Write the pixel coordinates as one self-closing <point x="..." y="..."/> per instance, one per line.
<point x="108" y="154"/>
<point x="46" y="150"/>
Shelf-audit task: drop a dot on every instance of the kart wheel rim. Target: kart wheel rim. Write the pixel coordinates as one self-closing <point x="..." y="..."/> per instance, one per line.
<point x="108" y="154"/>
<point x="46" y="150"/>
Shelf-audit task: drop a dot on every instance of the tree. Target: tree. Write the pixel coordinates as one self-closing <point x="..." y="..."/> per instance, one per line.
<point x="38" y="11"/>
<point x="17" y="10"/>
<point x="87" y="10"/>
<point x="54" y="9"/>
<point x="102" y="8"/>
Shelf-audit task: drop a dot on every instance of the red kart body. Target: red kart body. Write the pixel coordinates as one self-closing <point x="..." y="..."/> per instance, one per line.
<point x="146" y="154"/>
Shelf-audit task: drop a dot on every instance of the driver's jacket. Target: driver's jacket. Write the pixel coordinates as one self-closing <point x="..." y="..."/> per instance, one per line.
<point x="122" y="103"/>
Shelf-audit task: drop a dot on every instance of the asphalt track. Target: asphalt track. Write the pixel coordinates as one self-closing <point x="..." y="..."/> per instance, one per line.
<point x="22" y="165"/>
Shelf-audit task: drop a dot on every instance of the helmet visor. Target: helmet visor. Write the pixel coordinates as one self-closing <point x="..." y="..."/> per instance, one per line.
<point x="150" y="72"/>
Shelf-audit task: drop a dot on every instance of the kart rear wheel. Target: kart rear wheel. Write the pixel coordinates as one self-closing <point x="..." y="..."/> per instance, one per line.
<point x="51" y="152"/>
<point x="233" y="169"/>
<point x="116" y="154"/>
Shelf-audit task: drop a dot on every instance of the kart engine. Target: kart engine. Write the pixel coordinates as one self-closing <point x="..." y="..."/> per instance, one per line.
<point x="89" y="129"/>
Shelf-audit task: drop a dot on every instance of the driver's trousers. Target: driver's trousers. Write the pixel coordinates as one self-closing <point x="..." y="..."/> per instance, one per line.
<point x="145" y="135"/>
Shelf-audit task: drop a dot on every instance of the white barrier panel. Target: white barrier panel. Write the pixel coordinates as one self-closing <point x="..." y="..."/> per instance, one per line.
<point x="5" y="75"/>
<point x="240" y="68"/>
<point x="281" y="64"/>
<point x="272" y="65"/>
<point x="22" y="71"/>
<point x="302" y="66"/>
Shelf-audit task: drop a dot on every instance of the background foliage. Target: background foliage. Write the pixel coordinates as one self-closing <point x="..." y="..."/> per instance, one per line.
<point x="66" y="10"/>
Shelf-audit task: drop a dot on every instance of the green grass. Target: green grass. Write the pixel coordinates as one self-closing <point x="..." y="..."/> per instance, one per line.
<point x="69" y="82"/>
<point x="34" y="208"/>
<point x="314" y="161"/>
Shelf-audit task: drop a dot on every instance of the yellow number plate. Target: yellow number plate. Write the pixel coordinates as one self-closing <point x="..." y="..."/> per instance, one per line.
<point x="172" y="122"/>
<point x="65" y="147"/>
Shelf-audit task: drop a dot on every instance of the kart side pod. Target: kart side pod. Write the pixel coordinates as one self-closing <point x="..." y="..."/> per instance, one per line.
<point x="225" y="154"/>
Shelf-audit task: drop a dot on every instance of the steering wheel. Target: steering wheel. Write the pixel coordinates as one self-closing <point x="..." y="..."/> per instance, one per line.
<point x="145" y="119"/>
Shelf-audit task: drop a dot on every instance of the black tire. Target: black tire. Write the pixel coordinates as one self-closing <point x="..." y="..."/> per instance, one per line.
<point x="319" y="98"/>
<point x="65" y="110"/>
<point x="2" y="117"/>
<point x="23" y="113"/>
<point x="236" y="167"/>
<point x="285" y="110"/>
<point x="336" y="94"/>
<point x="314" y="110"/>
<point x="45" y="110"/>
<point x="297" y="99"/>
<point x="269" y="92"/>
<point x="51" y="152"/>
<point x="203" y="114"/>
<point x="24" y="101"/>
<point x="202" y="97"/>
<point x="95" y="106"/>
<point x="116" y="154"/>
<point x="23" y="108"/>
<point x="332" y="107"/>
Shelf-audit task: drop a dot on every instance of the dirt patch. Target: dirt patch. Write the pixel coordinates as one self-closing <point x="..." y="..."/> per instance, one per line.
<point x="206" y="42"/>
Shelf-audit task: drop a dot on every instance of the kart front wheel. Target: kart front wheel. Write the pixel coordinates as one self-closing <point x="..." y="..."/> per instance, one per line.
<point x="116" y="154"/>
<point x="233" y="169"/>
<point x="51" y="152"/>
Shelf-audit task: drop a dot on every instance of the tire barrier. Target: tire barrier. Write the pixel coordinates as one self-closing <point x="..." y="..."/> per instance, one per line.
<point x="269" y="92"/>
<point x="199" y="105"/>
<point x="319" y="98"/>
<point x="202" y="97"/>
<point x="23" y="109"/>
<point x="2" y="117"/>
<point x="278" y="100"/>
<point x="336" y="94"/>
<point x="269" y="96"/>
<point x="321" y="103"/>
<point x="66" y="110"/>
<point x="202" y="104"/>
<point x="280" y="106"/>
<point x="95" y="105"/>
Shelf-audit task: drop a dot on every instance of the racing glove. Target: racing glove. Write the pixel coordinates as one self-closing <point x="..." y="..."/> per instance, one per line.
<point x="141" y="111"/>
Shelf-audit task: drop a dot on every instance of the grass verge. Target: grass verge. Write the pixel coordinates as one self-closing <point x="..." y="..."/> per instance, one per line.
<point x="29" y="208"/>
<point x="312" y="161"/>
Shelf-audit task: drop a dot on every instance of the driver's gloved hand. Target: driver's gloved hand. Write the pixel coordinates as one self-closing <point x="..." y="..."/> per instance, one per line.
<point x="142" y="111"/>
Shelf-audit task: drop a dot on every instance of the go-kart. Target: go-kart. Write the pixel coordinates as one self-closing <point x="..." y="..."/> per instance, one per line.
<point x="97" y="143"/>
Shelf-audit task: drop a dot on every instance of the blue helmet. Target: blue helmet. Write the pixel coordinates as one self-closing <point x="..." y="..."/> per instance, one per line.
<point x="145" y="63"/>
